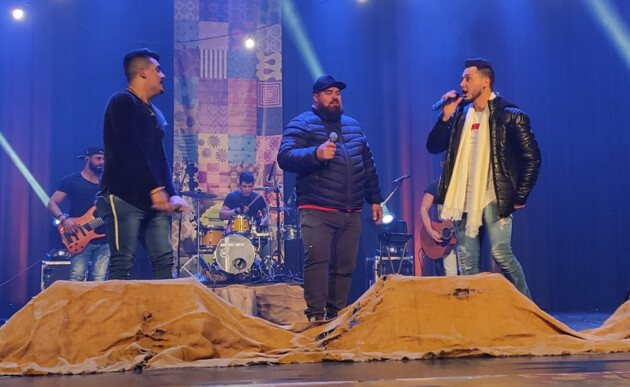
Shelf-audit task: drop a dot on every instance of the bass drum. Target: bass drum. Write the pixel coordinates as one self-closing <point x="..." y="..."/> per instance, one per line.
<point x="235" y="254"/>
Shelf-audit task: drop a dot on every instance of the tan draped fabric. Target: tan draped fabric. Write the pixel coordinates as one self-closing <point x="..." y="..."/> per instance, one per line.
<point x="120" y="325"/>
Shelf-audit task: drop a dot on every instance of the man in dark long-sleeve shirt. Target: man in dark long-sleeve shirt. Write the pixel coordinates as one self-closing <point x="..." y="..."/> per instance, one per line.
<point x="137" y="194"/>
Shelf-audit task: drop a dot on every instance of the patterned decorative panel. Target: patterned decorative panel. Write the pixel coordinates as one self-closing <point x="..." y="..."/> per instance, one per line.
<point x="242" y="11"/>
<point x="242" y="149"/>
<point x="242" y="64"/>
<point x="242" y="105"/>
<point x="186" y="34"/>
<point x="269" y="39"/>
<point x="213" y="35"/>
<point x="269" y="94"/>
<point x="268" y="148"/>
<point x="228" y="99"/>
<point x="269" y="66"/>
<point x="269" y="121"/>
<point x="213" y="148"/>
<point x="213" y="10"/>
<point x="186" y="10"/>
<point x="186" y="62"/>
<point x="186" y="90"/>
<point x="185" y="119"/>
<point x="186" y="147"/>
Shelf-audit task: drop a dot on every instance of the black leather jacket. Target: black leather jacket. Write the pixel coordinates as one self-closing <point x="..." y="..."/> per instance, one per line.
<point x="341" y="183"/>
<point x="514" y="152"/>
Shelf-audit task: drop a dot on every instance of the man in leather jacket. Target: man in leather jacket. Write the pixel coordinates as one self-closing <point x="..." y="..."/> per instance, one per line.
<point x="336" y="174"/>
<point x="491" y="166"/>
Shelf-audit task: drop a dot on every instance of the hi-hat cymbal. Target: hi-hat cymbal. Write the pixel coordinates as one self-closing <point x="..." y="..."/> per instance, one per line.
<point x="199" y="195"/>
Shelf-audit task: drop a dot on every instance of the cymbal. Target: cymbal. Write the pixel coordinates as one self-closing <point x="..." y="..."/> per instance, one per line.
<point x="279" y="208"/>
<point x="266" y="189"/>
<point x="199" y="195"/>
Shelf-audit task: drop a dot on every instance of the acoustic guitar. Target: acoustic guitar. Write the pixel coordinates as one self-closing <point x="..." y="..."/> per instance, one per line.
<point x="87" y="225"/>
<point x="433" y="249"/>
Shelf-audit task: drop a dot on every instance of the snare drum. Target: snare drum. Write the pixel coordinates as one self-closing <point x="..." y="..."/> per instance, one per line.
<point x="213" y="236"/>
<point x="235" y="254"/>
<point x="240" y="225"/>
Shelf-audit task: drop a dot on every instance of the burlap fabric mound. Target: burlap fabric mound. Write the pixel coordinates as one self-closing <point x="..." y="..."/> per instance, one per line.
<point x="122" y="325"/>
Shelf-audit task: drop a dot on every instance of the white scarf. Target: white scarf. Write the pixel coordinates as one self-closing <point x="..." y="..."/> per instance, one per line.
<point x="455" y="199"/>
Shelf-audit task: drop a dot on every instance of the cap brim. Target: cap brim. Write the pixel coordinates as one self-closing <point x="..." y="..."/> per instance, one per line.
<point x="338" y="84"/>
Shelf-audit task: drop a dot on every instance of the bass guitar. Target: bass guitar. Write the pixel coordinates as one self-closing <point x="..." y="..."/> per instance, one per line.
<point x="87" y="225"/>
<point x="433" y="249"/>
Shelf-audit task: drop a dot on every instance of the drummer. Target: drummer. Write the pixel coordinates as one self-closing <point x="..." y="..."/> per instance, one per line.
<point x="245" y="202"/>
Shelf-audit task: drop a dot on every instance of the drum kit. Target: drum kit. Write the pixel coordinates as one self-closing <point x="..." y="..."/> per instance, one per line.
<point x="246" y="250"/>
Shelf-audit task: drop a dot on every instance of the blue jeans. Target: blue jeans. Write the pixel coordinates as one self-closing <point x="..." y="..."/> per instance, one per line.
<point x="126" y="224"/>
<point x="499" y="232"/>
<point x="95" y="257"/>
<point x="331" y="243"/>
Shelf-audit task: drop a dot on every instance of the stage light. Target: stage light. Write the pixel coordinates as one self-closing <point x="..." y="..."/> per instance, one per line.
<point x="388" y="216"/>
<point x="18" y="14"/>
<point x="292" y="20"/>
<point x="249" y="43"/>
<point x="30" y="179"/>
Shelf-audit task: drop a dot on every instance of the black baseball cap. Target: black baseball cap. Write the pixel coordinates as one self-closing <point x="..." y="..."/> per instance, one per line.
<point x="325" y="81"/>
<point x="93" y="150"/>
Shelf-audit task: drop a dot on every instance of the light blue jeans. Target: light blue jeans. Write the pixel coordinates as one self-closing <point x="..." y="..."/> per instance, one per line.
<point x="95" y="257"/>
<point x="499" y="232"/>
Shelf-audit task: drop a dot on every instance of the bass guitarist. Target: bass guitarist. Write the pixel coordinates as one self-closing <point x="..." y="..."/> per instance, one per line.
<point x="80" y="189"/>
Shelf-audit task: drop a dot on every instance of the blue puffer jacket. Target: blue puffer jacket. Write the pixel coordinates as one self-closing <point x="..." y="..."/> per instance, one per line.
<point x="341" y="183"/>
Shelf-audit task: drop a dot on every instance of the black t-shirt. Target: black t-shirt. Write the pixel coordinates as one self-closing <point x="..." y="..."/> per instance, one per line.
<point x="234" y="200"/>
<point x="432" y="188"/>
<point x="82" y="194"/>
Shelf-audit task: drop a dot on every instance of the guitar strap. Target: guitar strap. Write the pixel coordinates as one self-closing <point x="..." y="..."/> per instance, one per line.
<point x="111" y="203"/>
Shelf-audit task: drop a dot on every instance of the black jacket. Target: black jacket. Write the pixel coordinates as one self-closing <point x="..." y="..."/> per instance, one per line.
<point x="341" y="183"/>
<point x="514" y="153"/>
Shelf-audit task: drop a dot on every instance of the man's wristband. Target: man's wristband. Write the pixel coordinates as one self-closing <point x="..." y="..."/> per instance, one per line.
<point x="61" y="218"/>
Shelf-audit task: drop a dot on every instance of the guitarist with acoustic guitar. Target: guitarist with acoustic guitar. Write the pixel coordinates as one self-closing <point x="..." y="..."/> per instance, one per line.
<point x="437" y="238"/>
<point x="79" y="230"/>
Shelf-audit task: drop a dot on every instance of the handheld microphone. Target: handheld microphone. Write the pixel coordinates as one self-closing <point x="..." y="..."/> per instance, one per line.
<point x="440" y="104"/>
<point x="333" y="137"/>
<point x="403" y="177"/>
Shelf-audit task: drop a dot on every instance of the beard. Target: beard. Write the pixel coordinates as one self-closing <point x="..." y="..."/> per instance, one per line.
<point x="331" y="113"/>
<point x="473" y="95"/>
<point x="96" y="169"/>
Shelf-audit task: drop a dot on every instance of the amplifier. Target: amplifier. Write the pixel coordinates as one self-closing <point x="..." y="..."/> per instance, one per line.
<point x="378" y="266"/>
<point x="53" y="271"/>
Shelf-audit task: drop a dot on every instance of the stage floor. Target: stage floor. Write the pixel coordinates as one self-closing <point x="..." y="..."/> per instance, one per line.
<point x="583" y="370"/>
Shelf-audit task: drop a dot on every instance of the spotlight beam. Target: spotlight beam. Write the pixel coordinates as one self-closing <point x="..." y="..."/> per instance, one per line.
<point x="30" y="179"/>
<point x="300" y="38"/>
<point x="613" y="25"/>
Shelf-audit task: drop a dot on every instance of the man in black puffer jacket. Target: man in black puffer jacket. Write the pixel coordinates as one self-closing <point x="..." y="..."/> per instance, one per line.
<point x="336" y="173"/>
<point x="491" y="166"/>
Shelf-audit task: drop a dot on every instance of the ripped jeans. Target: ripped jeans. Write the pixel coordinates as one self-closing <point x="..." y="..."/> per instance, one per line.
<point x="499" y="232"/>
